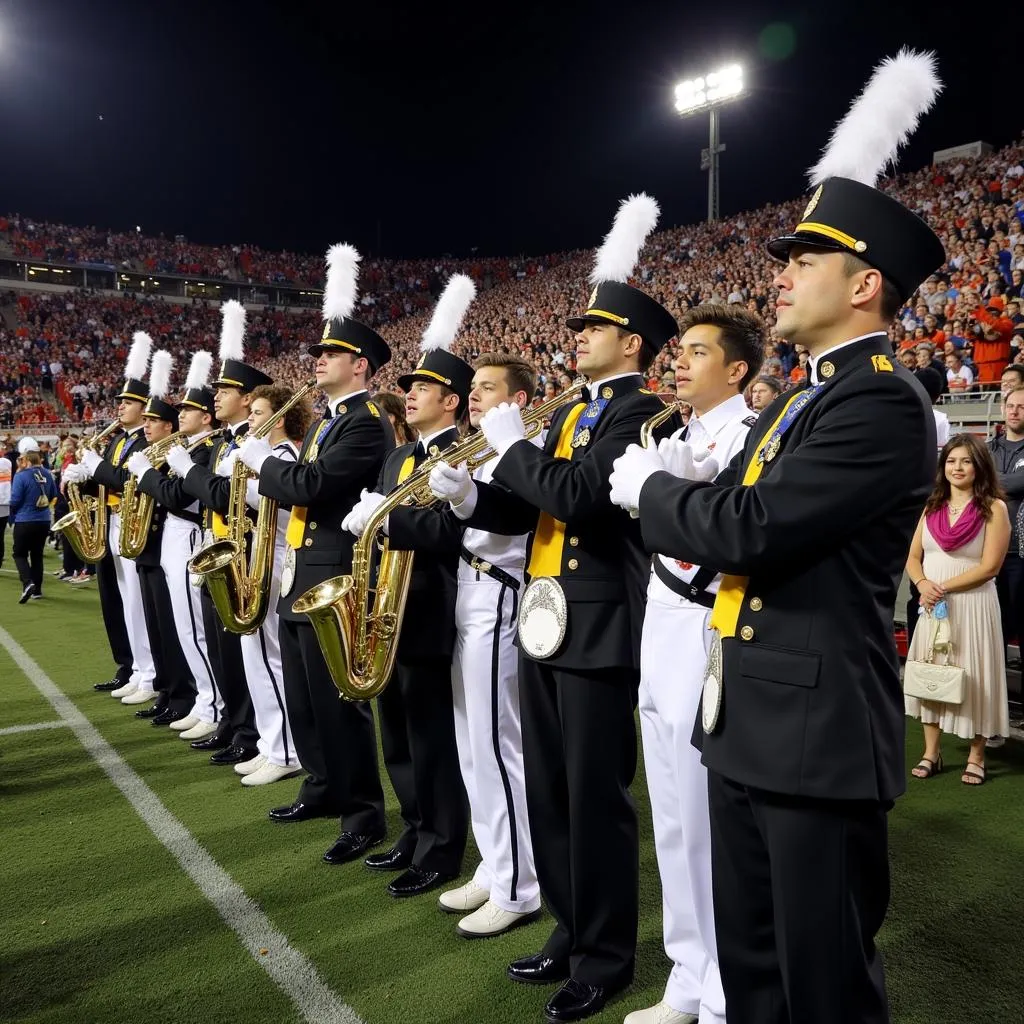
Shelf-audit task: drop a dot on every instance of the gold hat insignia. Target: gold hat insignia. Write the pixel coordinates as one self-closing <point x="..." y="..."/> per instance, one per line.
<point x="827" y="369"/>
<point x="813" y="203"/>
<point x="593" y="299"/>
<point x="327" y="331"/>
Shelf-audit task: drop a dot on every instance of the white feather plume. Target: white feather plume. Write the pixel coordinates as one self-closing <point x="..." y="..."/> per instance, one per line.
<point x="342" y="277"/>
<point x="199" y="371"/>
<point x="881" y="119"/>
<point x="635" y="220"/>
<point x="160" y="374"/>
<point x="138" y="356"/>
<point x="232" y="330"/>
<point x="449" y="313"/>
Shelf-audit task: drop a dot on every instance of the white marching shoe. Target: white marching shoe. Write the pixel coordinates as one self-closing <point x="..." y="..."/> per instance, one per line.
<point x="490" y="920"/>
<point x="271" y="773"/>
<point x="464" y="899"/>
<point x="124" y="691"/>
<point x="184" y="724"/>
<point x="253" y="764"/>
<point x="660" y="1014"/>
<point x="200" y="731"/>
<point x="140" y="697"/>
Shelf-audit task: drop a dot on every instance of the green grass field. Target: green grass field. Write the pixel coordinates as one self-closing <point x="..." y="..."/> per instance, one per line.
<point x="100" y="923"/>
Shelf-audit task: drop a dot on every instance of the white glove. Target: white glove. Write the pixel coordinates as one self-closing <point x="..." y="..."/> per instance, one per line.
<point x="355" y="522"/>
<point x="629" y="474"/>
<point x="138" y="465"/>
<point x="254" y="452"/>
<point x="90" y="460"/>
<point x="682" y="461"/>
<point x="74" y="473"/>
<point x="451" y="483"/>
<point x="226" y="465"/>
<point x="179" y="460"/>
<point x="503" y="426"/>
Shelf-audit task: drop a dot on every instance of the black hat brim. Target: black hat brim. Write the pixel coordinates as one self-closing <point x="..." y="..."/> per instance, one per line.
<point x="779" y="247"/>
<point x="577" y="323"/>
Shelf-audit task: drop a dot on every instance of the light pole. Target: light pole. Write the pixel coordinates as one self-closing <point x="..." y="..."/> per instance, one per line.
<point x="710" y="92"/>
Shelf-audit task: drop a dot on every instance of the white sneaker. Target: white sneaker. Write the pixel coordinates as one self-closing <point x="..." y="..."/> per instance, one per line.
<point x="490" y="920"/>
<point x="271" y="773"/>
<point x="660" y="1014"/>
<point x="250" y="766"/>
<point x="200" y="731"/>
<point x="139" y="697"/>
<point x="124" y="691"/>
<point x="464" y="899"/>
<point x="185" y="723"/>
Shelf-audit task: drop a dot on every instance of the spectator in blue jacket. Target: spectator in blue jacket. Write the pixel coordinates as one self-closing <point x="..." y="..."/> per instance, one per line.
<point x="32" y="492"/>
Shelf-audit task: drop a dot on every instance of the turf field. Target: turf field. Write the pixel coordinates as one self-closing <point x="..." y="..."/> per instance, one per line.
<point x="101" y="923"/>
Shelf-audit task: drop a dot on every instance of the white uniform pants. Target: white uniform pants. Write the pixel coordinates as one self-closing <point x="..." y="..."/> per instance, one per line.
<point x="485" y="696"/>
<point x="143" y="668"/>
<point x="673" y="656"/>
<point x="261" y="656"/>
<point x="181" y="540"/>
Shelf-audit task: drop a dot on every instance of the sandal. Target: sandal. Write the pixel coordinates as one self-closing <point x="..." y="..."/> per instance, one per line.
<point x="975" y="778"/>
<point x="926" y="767"/>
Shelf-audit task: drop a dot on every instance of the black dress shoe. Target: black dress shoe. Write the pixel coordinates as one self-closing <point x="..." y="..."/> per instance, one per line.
<point x="110" y="684"/>
<point x="169" y="715"/>
<point x="154" y="710"/>
<point x="233" y="755"/>
<point x="415" y="881"/>
<point x="299" y="811"/>
<point x="539" y="969"/>
<point x="576" y="1000"/>
<point x="218" y="741"/>
<point x="350" y="845"/>
<point x="393" y="860"/>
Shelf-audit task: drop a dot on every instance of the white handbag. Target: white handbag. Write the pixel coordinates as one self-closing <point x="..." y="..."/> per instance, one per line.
<point x="927" y="680"/>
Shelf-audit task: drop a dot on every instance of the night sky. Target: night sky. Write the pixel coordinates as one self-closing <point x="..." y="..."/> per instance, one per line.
<point x="421" y="129"/>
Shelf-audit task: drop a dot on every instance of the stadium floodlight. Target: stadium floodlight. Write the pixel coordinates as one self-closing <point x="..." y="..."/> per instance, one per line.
<point x="710" y="92"/>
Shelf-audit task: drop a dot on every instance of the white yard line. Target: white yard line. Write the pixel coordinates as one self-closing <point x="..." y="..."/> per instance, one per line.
<point x="34" y="727"/>
<point x="290" y="970"/>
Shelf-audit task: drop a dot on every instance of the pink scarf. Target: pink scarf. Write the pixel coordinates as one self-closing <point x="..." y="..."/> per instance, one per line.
<point x="966" y="528"/>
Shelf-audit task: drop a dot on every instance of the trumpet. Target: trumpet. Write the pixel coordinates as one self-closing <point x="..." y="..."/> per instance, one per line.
<point x="358" y="634"/>
<point x="240" y="587"/>
<point x="85" y="526"/>
<point x="136" y="507"/>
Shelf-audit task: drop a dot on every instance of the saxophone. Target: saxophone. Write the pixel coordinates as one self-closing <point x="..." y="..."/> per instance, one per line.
<point x="85" y="526"/>
<point x="358" y="632"/>
<point x="136" y="507"/>
<point x="238" y="586"/>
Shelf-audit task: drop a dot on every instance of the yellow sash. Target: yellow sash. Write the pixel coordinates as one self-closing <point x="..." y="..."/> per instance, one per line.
<point x="549" y="536"/>
<point x="114" y="500"/>
<point x="726" y="613"/>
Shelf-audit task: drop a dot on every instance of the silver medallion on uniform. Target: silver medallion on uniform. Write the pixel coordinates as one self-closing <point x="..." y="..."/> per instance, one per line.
<point x="711" y="698"/>
<point x="543" y="618"/>
<point x="288" y="571"/>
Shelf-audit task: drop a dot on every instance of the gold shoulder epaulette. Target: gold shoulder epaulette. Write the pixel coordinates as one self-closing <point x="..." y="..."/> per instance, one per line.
<point x="373" y="409"/>
<point x="209" y="442"/>
<point x="645" y="391"/>
<point x="882" y="364"/>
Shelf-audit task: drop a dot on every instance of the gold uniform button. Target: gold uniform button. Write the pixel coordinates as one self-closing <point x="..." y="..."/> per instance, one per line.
<point x="574" y="542"/>
<point x="312" y="526"/>
<point x="756" y="604"/>
<point x="308" y="542"/>
<point x="747" y="633"/>
<point x="573" y="563"/>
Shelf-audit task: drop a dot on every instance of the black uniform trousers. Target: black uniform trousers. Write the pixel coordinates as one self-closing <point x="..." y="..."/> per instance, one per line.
<point x="3" y="533"/>
<point x="113" y="617"/>
<point x="334" y="738"/>
<point x="225" y="651"/>
<point x="27" y="551"/>
<point x="801" y="887"/>
<point x="173" y="677"/>
<point x="579" y="756"/>
<point x="417" y="726"/>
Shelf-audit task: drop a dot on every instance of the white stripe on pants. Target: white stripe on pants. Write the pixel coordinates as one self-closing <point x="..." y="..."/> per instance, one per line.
<point x="485" y="695"/>
<point x="143" y="668"/>
<point x="181" y="540"/>
<point x="673" y="656"/>
<point x="261" y="656"/>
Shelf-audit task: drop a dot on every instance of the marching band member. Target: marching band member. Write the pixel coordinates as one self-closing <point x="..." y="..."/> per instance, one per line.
<point x="802" y="719"/>
<point x="236" y="736"/>
<point x="579" y="629"/>
<point x="182" y="538"/>
<point x="416" y="719"/>
<point x="261" y="651"/>
<point x="720" y="352"/>
<point x="341" y="455"/>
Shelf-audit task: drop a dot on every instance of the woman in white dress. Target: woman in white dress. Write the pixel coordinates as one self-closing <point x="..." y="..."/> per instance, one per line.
<point x="956" y="554"/>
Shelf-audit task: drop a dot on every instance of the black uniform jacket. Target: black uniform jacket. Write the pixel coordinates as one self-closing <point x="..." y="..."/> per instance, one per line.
<point x="428" y="628"/>
<point x="169" y="489"/>
<point x="349" y="459"/>
<point x="213" y="492"/>
<point x="812" y="703"/>
<point x="604" y="567"/>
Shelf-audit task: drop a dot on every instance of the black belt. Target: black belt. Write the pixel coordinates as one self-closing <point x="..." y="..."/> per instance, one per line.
<point x="195" y="518"/>
<point x="696" y="590"/>
<point x="475" y="562"/>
